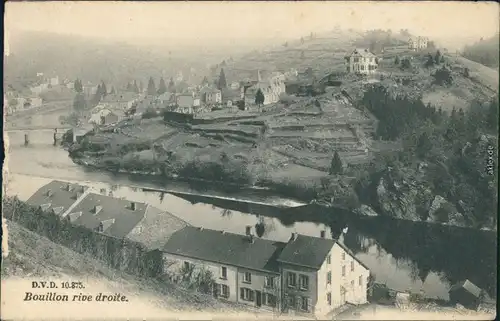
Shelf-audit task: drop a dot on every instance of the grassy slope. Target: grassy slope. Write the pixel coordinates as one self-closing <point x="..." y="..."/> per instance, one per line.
<point x="33" y="256"/>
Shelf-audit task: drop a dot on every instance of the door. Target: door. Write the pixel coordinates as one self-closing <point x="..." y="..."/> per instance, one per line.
<point x="258" y="298"/>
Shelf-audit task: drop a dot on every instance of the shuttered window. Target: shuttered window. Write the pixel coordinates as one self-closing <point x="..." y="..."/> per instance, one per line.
<point x="329" y="278"/>
<point x="329" y="298"/>
<point x="303" y="282"/>
<point x="352" y="265"/>
<point x="292" y="281"/>
<point x="246" y="294"/>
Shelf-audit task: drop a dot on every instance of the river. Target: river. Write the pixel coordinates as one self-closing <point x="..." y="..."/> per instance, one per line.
<point x="404" y="255"/>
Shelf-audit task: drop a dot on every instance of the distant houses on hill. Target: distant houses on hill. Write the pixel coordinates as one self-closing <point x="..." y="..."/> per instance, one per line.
<point x="418" y="43"/>
<point x="361" y="61"/>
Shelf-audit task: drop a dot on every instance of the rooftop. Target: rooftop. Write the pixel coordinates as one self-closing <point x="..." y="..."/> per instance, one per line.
<point x="120" y="97"/>
<point x="362" y="52"/>
<point x="225" y="248"/>
<point x="306" y="251"/>
<point x="467" y="285"/>
<point x="96" y="208"/>
<point x="57" y="194"/>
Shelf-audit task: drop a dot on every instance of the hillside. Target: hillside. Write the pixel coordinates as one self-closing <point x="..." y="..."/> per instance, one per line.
<point x="95" y="59"/>
<point x="484" y="51"/>
<point x="32" y="256"/>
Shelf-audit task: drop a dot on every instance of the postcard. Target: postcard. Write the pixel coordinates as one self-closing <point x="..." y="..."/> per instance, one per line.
<point x="250" y="160"/>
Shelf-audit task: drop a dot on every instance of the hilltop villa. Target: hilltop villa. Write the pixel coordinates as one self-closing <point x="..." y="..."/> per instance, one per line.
<point x="306" y="275"/>
<point x="417" y="43"/>
<point x="361" y="61"/>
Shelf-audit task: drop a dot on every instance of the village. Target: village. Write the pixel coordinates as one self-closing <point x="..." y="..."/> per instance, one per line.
<point x="306" y="136"/>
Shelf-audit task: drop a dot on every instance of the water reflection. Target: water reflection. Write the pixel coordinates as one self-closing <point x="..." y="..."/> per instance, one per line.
<point x="404" y="255"/>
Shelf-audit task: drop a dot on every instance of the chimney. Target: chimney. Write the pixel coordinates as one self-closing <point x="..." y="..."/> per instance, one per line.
<point x="132" y="206"/>
<point x="293" y="237"/>
<point x="322" y="234"/>
<point x="200" y="228"/>
<point x="248" y="230"/>
<point x="68" y="187"/>
<point x="97" y="209"/>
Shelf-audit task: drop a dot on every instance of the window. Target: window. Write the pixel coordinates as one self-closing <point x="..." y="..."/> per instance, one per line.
<point x="247" y="277"/>
<point x="352" y="266"/>
<point x="269" y="299"/>
<point x="269" y="282"/>
<point x="186" y="265"/>
<point x="360" y="280"/>
<point x="223" y="291"/>
<point x="356" y="59"/>
<point x="303" y="282"/>
<point x="343" y="270"/>
<point x="292" y="281"/>
<point x="246" y="294"/>
<point x="328" y="259"/>
<point x="343" y="255"/>
<point x="223" y="272"/>
<point x="329" y="278"/>
<point x="362" y="67"/>
<point x="304" y="303"/>
<point x="329" y="298"/>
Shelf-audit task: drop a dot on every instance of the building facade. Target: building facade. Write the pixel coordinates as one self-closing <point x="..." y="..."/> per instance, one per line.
<point x="361" y="61"/>
<point x="306" y="275"/>
<point x="418" y="43"/>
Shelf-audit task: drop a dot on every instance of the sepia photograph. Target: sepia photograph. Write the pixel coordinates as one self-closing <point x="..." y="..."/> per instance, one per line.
<point x="315" y="160"/>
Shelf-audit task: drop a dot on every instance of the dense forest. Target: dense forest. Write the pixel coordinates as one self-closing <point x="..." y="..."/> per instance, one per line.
<point x="459" y="150"/>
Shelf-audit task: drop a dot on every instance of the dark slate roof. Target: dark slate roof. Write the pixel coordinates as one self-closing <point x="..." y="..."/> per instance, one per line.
<point x="467" y="285"/>
<point x="306" y="251"/>
<point x="225" y="248"/>
<point x="60" y="195"/>
<point x="125" y="219"/>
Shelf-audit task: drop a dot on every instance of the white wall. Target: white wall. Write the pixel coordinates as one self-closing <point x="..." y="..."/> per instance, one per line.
<point x="355" y="294"/>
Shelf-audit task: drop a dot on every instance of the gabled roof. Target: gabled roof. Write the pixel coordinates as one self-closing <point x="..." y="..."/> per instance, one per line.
<point x="59" y="195"/>
<point x="306" y="251"/>
<point x="467" y="285"/>
<point x="125" y="219"/>
<point x="362" y="53"/>
<point x="225" y="248"/>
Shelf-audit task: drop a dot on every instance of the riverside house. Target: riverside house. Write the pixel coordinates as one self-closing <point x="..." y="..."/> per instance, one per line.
<point x="306" y="275"/>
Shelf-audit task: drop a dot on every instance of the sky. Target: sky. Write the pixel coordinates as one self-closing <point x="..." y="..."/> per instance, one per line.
<point x="205" y="21"/>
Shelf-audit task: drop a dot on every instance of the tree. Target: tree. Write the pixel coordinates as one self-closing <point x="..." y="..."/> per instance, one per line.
<point x="204" y="81"/>
<point x="336" y="165"/>
<point x="78" y="86"/>
<point x="162" y="87"/>
<point x="135" y="87"/>
<point x="113" y="91"/>
<point x="259" y="98"/>
<point x="430" y="61"/>
<point x="424" y="145"/>
<point x="443" y="76"/>
<point x="171" y="85"/>
<point x="151" y="86"/>
<point x="79" y="103"/>
<point x="437" y="58"/>
<point x="442" y="60"/>
<point x="302" y="55"/>
<point x="405" y="64"/>
<point x="130" y="87"/>
<point x="301" y="40"/>
<point x="466" y="73"/>
<point x="396" y="60"/>
<point x="104" y="90"/>
<point x="222" y="80"/>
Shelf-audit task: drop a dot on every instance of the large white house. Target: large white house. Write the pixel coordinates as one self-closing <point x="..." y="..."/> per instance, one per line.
<point x="418" y="43"/>
<point x="361" y="61"/>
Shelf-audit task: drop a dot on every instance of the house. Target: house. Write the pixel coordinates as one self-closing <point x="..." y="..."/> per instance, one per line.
<point x="231" y="96"/>
<point x="122" y="101"/>
<point x="89" y="89"/>
<point x="105" y="116"/>
<point x="306" y="275"/>
<point x="235" y="85"/>
<point x="242" y="265"/>
<point x="54" y="81"/>
<point x="155" y="228"/>
<point x="105" y="214"/>
<point x="417" y="43"/>
<point x="166" y="98"/>
<point x="320" y="275"/>
<point x="57" y="196"/>
<point x="185" y="103"/>
<point x="465" y="293"/>
<point x="361" y="61"/>
<point x="80" y="131"/>
<point x="272" y="88"/>
<point x="210" y="95"/>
